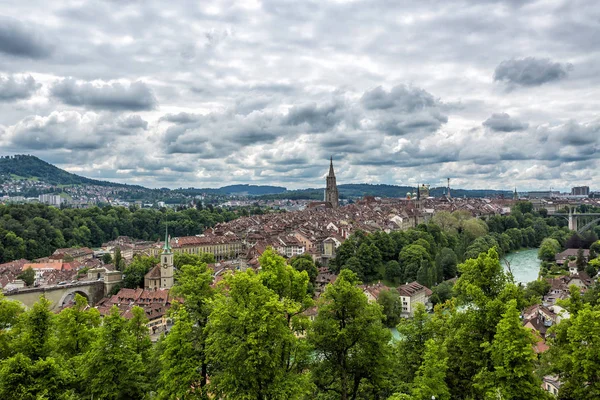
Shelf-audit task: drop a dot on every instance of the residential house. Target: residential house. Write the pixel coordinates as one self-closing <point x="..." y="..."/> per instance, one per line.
<point x="412" y="294"/>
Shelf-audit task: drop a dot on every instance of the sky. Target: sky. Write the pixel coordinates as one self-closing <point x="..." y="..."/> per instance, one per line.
<point x="493" y="94"/>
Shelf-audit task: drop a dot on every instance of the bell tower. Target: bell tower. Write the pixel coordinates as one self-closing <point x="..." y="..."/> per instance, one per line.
<point x="166" y="264"/>
<point x="331" y="192"/>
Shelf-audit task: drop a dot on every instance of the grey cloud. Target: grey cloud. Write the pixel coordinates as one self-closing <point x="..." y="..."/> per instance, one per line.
<point x="404" y="98"/>
<point x="530" y="71"/>
<point x="320" y="119"/>
<point x="12" y="89"/>
<point x="135" y="97"/>
<point x="575" y="134"/>
<point x="502" y="122"/>
<point x="133" y="122"/>
<point x="56" y="132"/>
<point x="18" y="39"/>
<point x="180" y="118"/>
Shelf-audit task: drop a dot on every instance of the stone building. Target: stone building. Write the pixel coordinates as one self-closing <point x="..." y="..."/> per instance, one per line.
<point x="331" y="192"/>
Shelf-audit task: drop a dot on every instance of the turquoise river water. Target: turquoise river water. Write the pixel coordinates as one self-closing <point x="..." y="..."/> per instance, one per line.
<point x="525" y="265"/>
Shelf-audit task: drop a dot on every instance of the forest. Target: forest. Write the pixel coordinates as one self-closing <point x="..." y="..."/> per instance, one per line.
<point x="33" y="230"/>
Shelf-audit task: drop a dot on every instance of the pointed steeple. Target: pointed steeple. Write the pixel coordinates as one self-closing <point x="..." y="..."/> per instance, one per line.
<point x="331" y="191"/>
<point x="331" y="173"/>
<point x="167" y="246"/>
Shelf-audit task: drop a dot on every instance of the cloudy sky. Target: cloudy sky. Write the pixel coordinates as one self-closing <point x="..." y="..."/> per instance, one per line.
<point x="493" y="94"/>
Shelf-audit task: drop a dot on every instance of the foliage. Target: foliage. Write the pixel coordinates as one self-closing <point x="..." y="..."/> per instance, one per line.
<point x="391" y="306"/>
<point x="304" y="262"/>
<point x="510" y="374"/>
<point x="548" y="249"/>
<point x="349" y="339"/>
<point x="35" y="230"/>
<point x="28" y="276"/>
<point x="106" y="258"/>
<point x="248" y="335"/>
<point x="181" y="259"/>
<point x="441" y="293"/>
<point x="113" y="367"/>
<point x="430" y="380"/>
<point x="133" y="276"/>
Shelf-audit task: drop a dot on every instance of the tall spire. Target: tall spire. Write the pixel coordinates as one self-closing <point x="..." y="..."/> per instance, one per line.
<point x="167" y="246"/>
<point x="331" y="191"/>
<point x="331" y="173"/>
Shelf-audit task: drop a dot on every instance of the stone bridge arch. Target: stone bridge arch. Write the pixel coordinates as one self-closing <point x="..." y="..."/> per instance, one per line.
<point x="57" y="295"/>
<point x="69" y="295"/>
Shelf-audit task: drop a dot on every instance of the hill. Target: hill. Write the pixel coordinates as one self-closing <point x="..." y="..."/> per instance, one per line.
<point x="236" y="190"/>
<point x="31" y="167"/>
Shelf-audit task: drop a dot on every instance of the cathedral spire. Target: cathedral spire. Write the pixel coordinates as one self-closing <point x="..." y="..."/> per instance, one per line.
<point x="331" y="173"/>
<point x="167" y="246"/>
<point x="331" y="192"/>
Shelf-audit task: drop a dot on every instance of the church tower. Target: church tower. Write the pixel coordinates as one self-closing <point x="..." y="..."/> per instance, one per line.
<point x="166" y="264"/>
<point x="331" y="193"/>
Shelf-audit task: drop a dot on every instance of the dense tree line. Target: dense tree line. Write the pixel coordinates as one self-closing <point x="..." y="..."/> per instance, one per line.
<point x="251" y="338"/>
<point x="430" y="252"/>
<point x="33" y="230"/>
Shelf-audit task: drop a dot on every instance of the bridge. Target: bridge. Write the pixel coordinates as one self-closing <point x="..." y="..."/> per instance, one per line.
<point x="59" y="295"/>
<point x="579" y="222"/>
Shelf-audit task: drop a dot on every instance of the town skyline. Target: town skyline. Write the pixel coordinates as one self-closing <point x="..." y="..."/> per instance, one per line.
<point x="494" y="94"/>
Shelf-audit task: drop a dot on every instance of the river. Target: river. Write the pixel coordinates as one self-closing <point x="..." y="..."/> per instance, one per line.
<point x="524" y="264"/>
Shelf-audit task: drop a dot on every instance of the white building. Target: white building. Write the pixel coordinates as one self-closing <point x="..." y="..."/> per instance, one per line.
<point x="410" y="295"/>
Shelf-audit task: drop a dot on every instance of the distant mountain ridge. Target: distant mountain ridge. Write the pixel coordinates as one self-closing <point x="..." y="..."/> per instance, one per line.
<point x="31" y="167"/>
<point x="357" y="190"/>
<point x="27" y="166"/>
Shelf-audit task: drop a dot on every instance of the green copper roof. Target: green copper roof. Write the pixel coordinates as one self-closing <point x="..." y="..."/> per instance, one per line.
<point x="167" y="246"/>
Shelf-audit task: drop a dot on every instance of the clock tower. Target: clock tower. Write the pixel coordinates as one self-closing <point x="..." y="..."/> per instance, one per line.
<point x="166" y="264"/>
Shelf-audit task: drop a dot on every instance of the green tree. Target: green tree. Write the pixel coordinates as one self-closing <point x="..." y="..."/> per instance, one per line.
<point x="430" y="380"/>
<point x="393" y="271"/>
<point x="370" y="260"/>
<point x="113" y="367"/>
<point x="511" y="375"/>
<point x="119" y="261"/>
<point x="580" y="261"/>
<point x="351" y="344"/>
<point x="548" y="249"/>
<point x="10" y="312"/>
<point x="193" y="284"/>
<point x="535" y="290"/>
<point x="305" y="262"/>
<point x="23" y="378"/>
<point x="75" y="326"/>
<point x="414" y="332"/>
<point x="136" y="271"/>
<point x="573" y="355"/>
<point x="181" y="259"/>
<point x="411" y="258"/>
<point x="248" y="335"/>
<point x="447" y="261"/>
<point x="441" y="293"/>
<point x="391" y="306"/>
<point x="106" y="258"/>
<point x="446" y="221"/>
<point x="28" y="276"/>
<point x="34" y="331"/>
<point x="179" y="377"/>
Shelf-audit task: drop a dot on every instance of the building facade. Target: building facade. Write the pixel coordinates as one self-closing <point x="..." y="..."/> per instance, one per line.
<point x="580" y="191"/>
